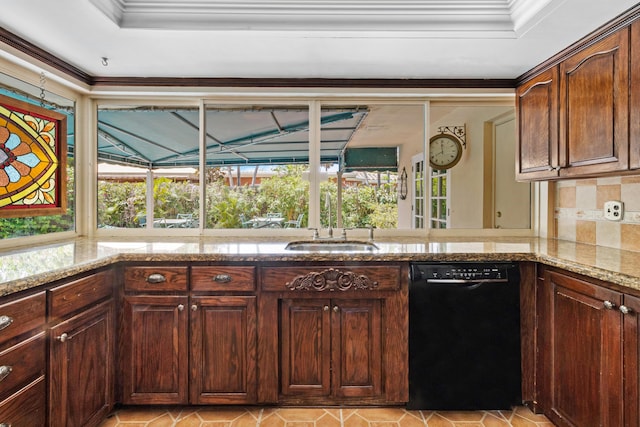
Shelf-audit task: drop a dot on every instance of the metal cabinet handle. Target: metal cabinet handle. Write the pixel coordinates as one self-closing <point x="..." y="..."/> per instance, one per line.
<point x="624" y="309"/>
<point x="156" y="278"/>
<point x="180" y="307"/>
<point x="336" y="309"/>
<point x="609" y="305"/>
<point x="5" y="321"/>
<point x="221" y="278"/>
<point x="194" y="307"/>
<point x="325" y="308"/>
<point x="63" y="337"/>
<point x="5" y="370"/>
<point x="5" y="425"/>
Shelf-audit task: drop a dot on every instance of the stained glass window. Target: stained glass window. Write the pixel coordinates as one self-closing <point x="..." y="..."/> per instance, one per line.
<point x="32" y="160"/>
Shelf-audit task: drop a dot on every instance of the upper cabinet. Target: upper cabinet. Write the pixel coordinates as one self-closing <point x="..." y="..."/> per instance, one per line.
<point x="634" y="110"/>
<point x="581" y="117"/>
<point x="594" y="109"/>
<point x="537" y="109"/>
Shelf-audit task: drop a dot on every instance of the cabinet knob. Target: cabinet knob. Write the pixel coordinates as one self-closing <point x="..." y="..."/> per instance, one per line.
<point x="222" y="278"/>
<point x="325" y="308"/>
<point x="63" y="337"/>
<point x="194" y="307"/>
<point x="624" y="309"/>
<point x="180" y="307"/>
<point x="609" y="305"/>
<point x="5" y="425"/>
<point x="156" y="278"/>
<point x="336" y="308"/>
<point x="5" y="370"/>
<point x="5" y="321"/>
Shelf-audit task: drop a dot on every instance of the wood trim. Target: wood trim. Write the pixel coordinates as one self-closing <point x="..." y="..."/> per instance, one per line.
<point x="42" y="55"/>
<point x="304" y="82"/>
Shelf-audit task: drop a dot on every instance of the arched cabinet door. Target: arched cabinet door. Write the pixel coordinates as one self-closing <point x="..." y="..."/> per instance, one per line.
<point x="594" y="108"/>
<point x="537" y="111"/>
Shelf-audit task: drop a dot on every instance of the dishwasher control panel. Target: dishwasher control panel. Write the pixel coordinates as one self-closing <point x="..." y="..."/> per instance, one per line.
<point x="457" y="272"/>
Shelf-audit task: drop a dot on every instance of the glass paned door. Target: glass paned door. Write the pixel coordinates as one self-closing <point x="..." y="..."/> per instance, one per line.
<point x="417" y="167"/>
<point x="438" y="199"/>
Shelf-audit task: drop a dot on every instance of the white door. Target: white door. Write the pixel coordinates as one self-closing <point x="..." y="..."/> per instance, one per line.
<point x="512" y="199"/>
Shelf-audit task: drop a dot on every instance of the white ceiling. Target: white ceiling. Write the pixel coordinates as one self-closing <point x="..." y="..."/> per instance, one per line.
<point x="306" y="38"/>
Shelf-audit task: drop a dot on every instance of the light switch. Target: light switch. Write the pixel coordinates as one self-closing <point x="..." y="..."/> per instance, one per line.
<point x="613" y="210"/>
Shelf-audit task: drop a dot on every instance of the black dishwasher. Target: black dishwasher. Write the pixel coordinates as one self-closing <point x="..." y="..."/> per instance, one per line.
<point x="464" y="336"/>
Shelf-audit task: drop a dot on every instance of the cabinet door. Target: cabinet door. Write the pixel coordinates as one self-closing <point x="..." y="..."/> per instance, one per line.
<point x="305" y="352"/>
<point x="81" y="368"/>
<point x="631" y="336"/>
<point x="537" y="110"/>
<point x="585" y="354"/>
<point x="594" y="108"/>
<point x="357" y="352"/>
<point x="634" y="108"/>
<point x="154" y="355"/>
<point x="223" y="350"/>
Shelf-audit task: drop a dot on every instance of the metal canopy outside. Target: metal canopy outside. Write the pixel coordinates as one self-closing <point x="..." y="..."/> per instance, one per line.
<point x="168" y="137"/>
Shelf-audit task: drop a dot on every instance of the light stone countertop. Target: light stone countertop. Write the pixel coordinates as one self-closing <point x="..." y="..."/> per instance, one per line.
<point x="28" y="267"/>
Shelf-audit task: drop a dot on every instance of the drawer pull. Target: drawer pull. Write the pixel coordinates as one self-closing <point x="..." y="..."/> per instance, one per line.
<point x="64" y="337"/>
<point x="5" y="321"/>
<point x="5" y="425"/>
<point x="222" y="278"/>
<point x="609" y="305"/>
<point x="156" y="278"/>
<point x="5" y="370"/>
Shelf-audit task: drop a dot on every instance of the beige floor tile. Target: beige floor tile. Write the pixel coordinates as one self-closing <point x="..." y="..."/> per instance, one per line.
<point x="436" y="420"/>
<point x="164" y="421"/>
<point x="494" y="420"/>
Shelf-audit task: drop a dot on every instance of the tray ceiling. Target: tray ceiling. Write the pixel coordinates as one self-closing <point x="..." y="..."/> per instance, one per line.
<point x="401" y="39"/>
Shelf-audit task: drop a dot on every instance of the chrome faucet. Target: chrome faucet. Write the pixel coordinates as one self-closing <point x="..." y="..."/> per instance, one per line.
<point x="328" y="206"/>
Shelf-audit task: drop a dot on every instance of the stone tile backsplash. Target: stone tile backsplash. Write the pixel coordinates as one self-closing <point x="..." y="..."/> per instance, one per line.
<point x="579" y="211"/>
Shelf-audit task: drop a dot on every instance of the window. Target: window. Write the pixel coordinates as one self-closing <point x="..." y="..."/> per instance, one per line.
<point x="147" y="172"/>
<point x="40" y="225"/>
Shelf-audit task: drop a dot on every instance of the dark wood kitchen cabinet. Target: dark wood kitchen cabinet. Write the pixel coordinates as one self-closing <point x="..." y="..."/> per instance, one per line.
<point x="588" y="367"/>
<point x="576" y="119"/>
<point x="634" y="100"/>
<point x="189" y="335"/>
<point x="23" y="356"/>
<point x="334" y="333"/>
<point x="331" y="348"/>
<point x="154" y="349"/>
<point x="537" y="111"/>
<point x="81" y="347"/>
<point x="594" y="108"/>
<point x="223" y="350"/>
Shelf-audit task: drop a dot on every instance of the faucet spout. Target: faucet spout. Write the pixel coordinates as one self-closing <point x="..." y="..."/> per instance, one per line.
<point x="328" y="206"/>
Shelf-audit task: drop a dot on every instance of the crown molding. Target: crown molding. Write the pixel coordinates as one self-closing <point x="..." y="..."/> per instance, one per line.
<point x="426" y="17"/>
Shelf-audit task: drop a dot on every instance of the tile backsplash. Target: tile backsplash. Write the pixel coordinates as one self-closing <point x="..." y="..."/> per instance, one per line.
<point x="579" y="211"/>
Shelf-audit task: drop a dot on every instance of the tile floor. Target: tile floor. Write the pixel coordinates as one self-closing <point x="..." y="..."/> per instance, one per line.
<point x="318" y="417"/>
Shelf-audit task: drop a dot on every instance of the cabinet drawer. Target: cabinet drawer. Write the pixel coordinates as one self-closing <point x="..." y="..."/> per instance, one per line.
<point x="331" y="278"/>
<point x="21" y="316"/>
<point x="66" y="299"/>
<point x="21" y="364"/>
<point x="26" y="408"/>
<point x="155" y="278"/>
<point x="223" y="278"/>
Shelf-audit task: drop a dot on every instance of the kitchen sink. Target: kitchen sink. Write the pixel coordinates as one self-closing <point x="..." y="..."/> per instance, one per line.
<point x="332" y="246"/>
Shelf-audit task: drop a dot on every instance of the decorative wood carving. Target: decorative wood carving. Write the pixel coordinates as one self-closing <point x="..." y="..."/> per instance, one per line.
<point x="331" y="280"/>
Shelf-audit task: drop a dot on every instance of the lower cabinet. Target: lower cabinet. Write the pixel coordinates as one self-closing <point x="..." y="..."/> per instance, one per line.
<point x="223" y="350"/>
<point x="588" y="367"/>
<point x="154" y="349"/>
<point x="331" y="348"/>
<point x="81" y="351"/>
<point x="196" y="349"/>
<point x="333" y="334"/>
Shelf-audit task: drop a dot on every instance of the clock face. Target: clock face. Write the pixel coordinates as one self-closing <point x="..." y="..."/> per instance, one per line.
<point x="444" y="151"/>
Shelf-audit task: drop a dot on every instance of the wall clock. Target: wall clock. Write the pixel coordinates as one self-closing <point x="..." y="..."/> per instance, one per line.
<point x="445" y="151"/>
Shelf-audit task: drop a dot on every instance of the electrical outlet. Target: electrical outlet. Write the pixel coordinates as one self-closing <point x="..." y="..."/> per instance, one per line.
<point x="613" y="210"/>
